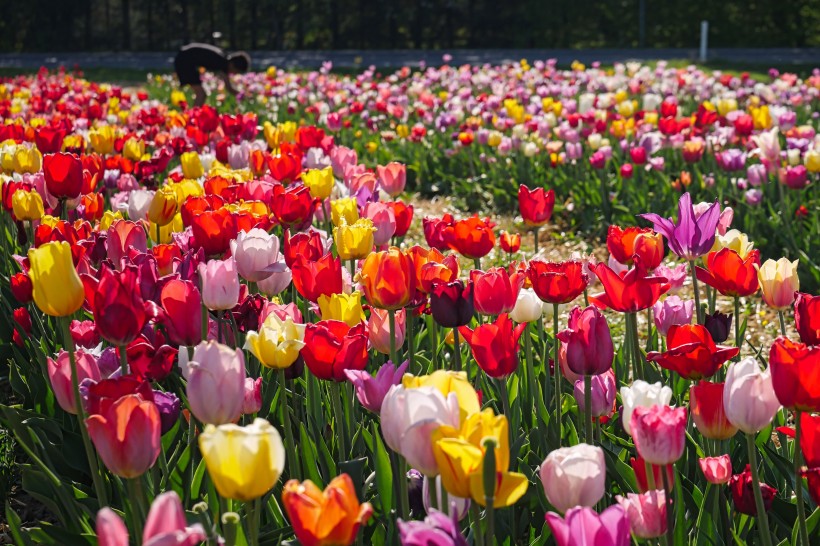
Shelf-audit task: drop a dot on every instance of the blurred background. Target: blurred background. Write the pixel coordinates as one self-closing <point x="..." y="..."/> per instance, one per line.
<point x="163" y="25"/>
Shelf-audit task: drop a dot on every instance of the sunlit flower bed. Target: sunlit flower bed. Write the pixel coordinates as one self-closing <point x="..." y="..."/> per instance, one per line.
<point x="222" y="333"/>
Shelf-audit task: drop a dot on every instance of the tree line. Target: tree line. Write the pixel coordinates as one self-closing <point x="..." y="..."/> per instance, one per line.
<point x="110" y="25"/>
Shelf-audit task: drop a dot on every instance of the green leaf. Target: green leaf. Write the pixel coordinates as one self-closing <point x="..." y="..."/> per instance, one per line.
<point x="308" y="452"/>
<point x="384" y="472"/>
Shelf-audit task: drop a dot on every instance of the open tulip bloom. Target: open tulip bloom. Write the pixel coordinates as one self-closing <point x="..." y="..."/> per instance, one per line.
<point x="244" y="315"/>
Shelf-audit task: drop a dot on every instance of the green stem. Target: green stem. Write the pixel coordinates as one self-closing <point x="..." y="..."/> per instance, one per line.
<point x="762" y="517"/>
<point x="698" y="311"/>
<point x="123" y="360"/>
<point x="588" y="409"/>
<point x="293" y="459"/>
<point x="96" y="477"/>
<point x="475" y="518"/>
<point x="136" y="498"/>
<point x="505" y="401"/>
<point x="782" y="322"/>
<point x="798" y="479"/>
<point x="667" y="491"/>
<point x="477" y="263"/>
<point x="535" y="241"/>
<point x="738" y="341"/>
<point x="254" y="513"/>
<point x="434" y="343"/>
<point x="411" y="353"/>
<point x="391" y="314"/>
<point x="340" y="419"/>
<point x="404" y="499"/>
<point x="191" y="452"/>
<point x="557" y="367"/>
<point x="530" y="367"/>
<point x="457" y="352"/>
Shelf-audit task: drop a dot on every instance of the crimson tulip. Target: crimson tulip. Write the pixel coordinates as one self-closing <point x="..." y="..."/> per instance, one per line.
<point x="559" y="282"/>
<point x="587" y="342"/>
<point x="624" y="243"/>
<point x="495" y="345"/>
<point x="214" y="230"/>
<point x="116" y="302"/>
<point x="436" y="231"/>
<point x="628" y="293"/>
<point x="730" y="274"/>
<point x="742" y="488"/>
<point x="706" y="405"/>
<point x="308" y="244"/>
<point x="495" y="290"/>
<point x="472" y="238"/>
<point x="293" y="206"/>
<point x="535" y="205"/>
<point x="21" y="287"/>
<point x="639" y="467"/>
<point x="404" y="217"/>
<point x="182" y="312"/>
<point x="691" y="352"/>
<point x="807" y="318"/>
<point x="49" y="140"/>
<point x="100" y="396"/>
<point x="452" y="303"/>
<point x="795" y="371"/>
<point x="153" y="362"/>
<point x="331" y="347"/>
<point x="63" y="174"/>
<point x="315" y="278"/>
<point x="810" y="439"/>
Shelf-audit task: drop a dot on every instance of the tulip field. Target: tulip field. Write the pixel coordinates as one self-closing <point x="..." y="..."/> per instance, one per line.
<point x="230" y="325"/>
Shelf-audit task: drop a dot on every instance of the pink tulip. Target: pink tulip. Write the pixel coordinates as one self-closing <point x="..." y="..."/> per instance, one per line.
<point x="257" y="254"/>
<point x="583" y="527"/>
<point x="277" y="281"/>
<point x="603" y="394"/>
<point x="59" y="373"/>
<point x="342" y="157"/>
<point x="384" y="220"/>
<point x="717" y="470"/>
<point x="725" y="220"/>
<point x="111" y="530"/>
<point x="252" y="402"/>
<point x="283" y="311"/>
<point x="659" y="432"/>
<point x="122" y="236"/>
<point x="392" y="178"/>
<point x="574" y="476"/>
<point x="646" y="512"/>
<point x="672" y="311"/>
<point x="216" y="383"/>
<point x="749" y="399"/>
<point x="675" y="276"/>
<point x="378" y="329"/>
<point x="165" y="525"/>
<point x="588" y="342"/>
<point x="220" y="284"/>
<point x="371" y="390"/>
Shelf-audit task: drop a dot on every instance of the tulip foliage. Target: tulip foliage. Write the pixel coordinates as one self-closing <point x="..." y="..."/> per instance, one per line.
<point x="230" y="330"/>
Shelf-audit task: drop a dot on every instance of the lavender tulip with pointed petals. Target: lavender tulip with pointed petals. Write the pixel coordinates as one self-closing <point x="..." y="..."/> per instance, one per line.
<point x="692" y="236"/>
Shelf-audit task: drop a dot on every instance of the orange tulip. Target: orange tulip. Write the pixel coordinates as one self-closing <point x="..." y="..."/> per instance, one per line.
<point x="325" y="518"/>
<point x="388" y="279"/>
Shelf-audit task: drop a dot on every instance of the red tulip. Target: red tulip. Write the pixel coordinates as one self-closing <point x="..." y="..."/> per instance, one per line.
<point x="691" y="352"/>
<point x="535" y="205"/>
<point x="127" y="435"/>
<point x="293" y="206"/>
<point x="309" y="136"/>
<point x="795" y="371"/>
<point x="307" y="244"/>
<point x="436" y="231"/>
<point x="630" y="293"/>
<point x="706" y="405"/>
<point x="807" y="318"/>
<point x="495" y="290"/>
<point x="285" y="167"/>
<point x="432" y="266"/>
<point x="100" y="396"/>
<point x="624" y="243"/>
<point x="510" y="242"/>
<point x="123" y="236"/>
<point x="331" y="347"/>
<point x="404" y="217"/>
<point x="472" y="238"/>
<point x="810" y="439"/>
<point x="116" y="302"/>
<point x="152" y="362"/>
<point x="730" y="274"/>
<point x="812" y="476"/>
<point x="559" y="282"/>
<point x="742" y="489"/>
<point x="315" y="278"/>
<point x="21" y="287"/>
<point x="587" y="342"/>
<point x="639" y="467"/>
<point x="182" y="312"/>
<point x="63" y="174"/>
<point x="213" y="231"/>
<point x="49" y="140"/>
<point x="495" y="345"/>
<point x="388" y="279"/>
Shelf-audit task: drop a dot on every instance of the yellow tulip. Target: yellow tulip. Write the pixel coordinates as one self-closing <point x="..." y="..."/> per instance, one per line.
<point x="72" y="142"/>
<point x="276" y="135"/>
<point x="447" y="382"/>
<point x="27" y="160"/>
<point x="244" y="463"/>
<point x="108" y="218"/>
<point x="27" y="205"/>
<point x="494" y="139"/>
<point x="102" y="139"/>
<point x="402" y="130"/>
<point x="163" y="234"/>
<point x="346" y="209"/>
<point x="354" y="241"/>
<point x="734" y="240"/>
<point x="134" y="149"/>
<point x="761" y="116"/>
<point x="191" y="165"/>
<point x="50" y="221"/>
<point x="778" y="282"/>
<point x="186" y="188"/>
<point x="509" y="487"/>
<point x="58" y="290"/>
<point x="163" y="207"/>
<point x="178" y="97"/>
<point x="319" y="182"/>
<point x="812" y="161"/>
<point x="344" y="307"/>
<point x="456" y="460"/>
<point x="514" y="110"/>
<point x="277" y="343"/>
<point x="371" y="147"/>
<point x="726" y="105"/>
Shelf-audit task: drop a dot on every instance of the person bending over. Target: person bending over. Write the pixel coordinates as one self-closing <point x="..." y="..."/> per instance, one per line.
<point x="192" y="57"/>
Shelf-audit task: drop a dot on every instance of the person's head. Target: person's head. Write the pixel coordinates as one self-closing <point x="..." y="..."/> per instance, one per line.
<point x="239" y="62"/>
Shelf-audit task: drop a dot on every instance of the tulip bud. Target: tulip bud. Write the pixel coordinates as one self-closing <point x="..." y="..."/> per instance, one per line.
<point x="574" y="476"/>
<point x="749" y="399"/>
<point x="220" y="284"/>
<point x="603" y="393"/>
<point x="642" y="394"/>
<point x="588" y="342"/>
<point x="706" y="405"/>
<point x="216" y="383"/>
<point x="646" y="513"/>
<point x="719" y="325"/>
<point x="716" y="470"/>
<point x="59" y="375"/>
<point x="659" y="433"/>
<point x="778" y="282"/>
<point x="672" y="311"/>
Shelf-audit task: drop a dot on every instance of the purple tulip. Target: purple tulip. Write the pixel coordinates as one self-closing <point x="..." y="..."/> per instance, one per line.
<point x="437" y="529"/>
<point x="692" y="236"/>
<point x="371" y="390"/>
<point x="603" y="390"/>
<point x="582" y="525"/>
<point x="672" y="311"/>
<point x="168" y="405"/>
